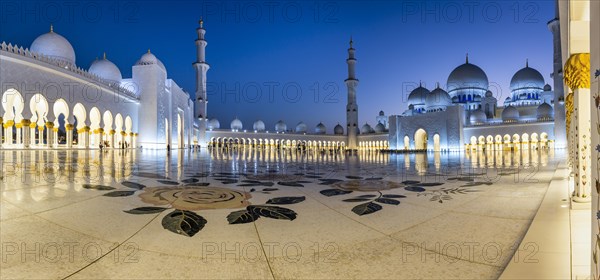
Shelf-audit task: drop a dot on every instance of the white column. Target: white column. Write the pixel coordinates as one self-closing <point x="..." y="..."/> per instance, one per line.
<point x="69" y="129"/>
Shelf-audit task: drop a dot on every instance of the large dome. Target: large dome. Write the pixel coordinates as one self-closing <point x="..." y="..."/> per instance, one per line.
<point x="366" y="129"/>
<point x="259" y="126"/>
<point x="149" y="59"/>
<point x="236" y="125"/>
<point x="301" y="127"/>
<point x="438" y="98"/>
<point x="338" y="130"/>
<point x="417" y="96"/>
<point x="280" y="126"/>
<point x="467" y="76"/>
<point x="320" y="129"/>
<point x="510" y="114"/>
<point x="527" y="78"/>
<point x="54" y="46"/>
<point x="477" y="117"/>
<point x="213" y="124"/>
<point x="105" y="69"/>
<point x="545" y="111"/>
<point x="379" y="128"/>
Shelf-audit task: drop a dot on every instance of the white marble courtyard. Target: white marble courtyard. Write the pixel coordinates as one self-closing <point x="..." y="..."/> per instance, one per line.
<point x="265" y="214"/>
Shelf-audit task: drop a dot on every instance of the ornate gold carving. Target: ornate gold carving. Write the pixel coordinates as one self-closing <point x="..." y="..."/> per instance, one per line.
<point x="69" y="126"/>
<point x="569" y="110"/>
<point x="50" y="125"/>
<point x="112" y="132"/>
<point x="577" y="71"/>
<point x="25" y="122"/>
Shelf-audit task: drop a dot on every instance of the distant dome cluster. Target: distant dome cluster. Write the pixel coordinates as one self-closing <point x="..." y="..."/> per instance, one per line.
<point x="55" y="46"/>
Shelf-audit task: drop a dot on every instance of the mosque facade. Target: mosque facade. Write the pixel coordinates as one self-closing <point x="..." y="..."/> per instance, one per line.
<point x="48" y="101"/>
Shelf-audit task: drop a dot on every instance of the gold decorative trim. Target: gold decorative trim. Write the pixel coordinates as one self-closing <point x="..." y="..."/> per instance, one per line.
<point x="569" y="110"/>
<point x="112" y="132"/>
<point x="577" y="71"/>
<point x="25" y="122"/>
<point x="50" y="125"/>
<point x="69" y="126"/>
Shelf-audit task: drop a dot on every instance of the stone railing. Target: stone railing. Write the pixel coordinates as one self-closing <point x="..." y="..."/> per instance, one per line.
<point x="115" y="86"/>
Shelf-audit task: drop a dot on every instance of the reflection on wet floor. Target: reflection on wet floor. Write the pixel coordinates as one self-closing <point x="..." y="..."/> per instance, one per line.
<point x="170" y="204"/>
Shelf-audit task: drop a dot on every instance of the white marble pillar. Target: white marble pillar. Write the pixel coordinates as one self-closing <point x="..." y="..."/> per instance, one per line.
<point x="69" y="129"/>
<point x="49" y="132"/>
<point x="86" y="137"/>
<point x="26" y="133"/>
<point x="595" y="124"/>
<point x="112" y="138"/>
<point x="577" y="78"/>
<point x="18" y="132"/>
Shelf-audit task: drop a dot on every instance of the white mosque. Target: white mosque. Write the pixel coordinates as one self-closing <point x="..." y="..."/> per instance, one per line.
<point x="44" y="93"/>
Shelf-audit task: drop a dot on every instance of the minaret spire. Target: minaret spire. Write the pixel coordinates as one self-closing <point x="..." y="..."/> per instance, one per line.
<point x="200" y="104"/>
<point x="351" y="107"/>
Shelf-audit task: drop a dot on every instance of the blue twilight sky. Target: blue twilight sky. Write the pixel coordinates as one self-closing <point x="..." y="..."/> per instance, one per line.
<point x="274" y="60"/>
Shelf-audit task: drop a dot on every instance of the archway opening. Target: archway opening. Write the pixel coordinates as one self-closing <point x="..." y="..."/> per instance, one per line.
<point x="421" y="139"/>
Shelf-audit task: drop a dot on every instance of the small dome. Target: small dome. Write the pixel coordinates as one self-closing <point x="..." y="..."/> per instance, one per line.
<point x="366" y="129"/>
<point x="213" y="124"/>
<point x="510" y="114"/>
<point x="545" y="111"/>
<point x="379" y="128"/>
<point x="149" y="59"/>
<point x="527" y="78"/>
<point x="320" y="129"/>
<point x="259" y="126"/>
<point x="236" y="125"/>
<point x="547" y="87"/>
<point x="467" y="76"/>
<point x="489" y="94"/>
<point x="338" y="130"/>
<point x="438" y="98"/>
<point x="105" y="69"/>
<point x="301" y="127"/>
<point x="381" y="113"/>
<point x="280" y="126"/>
<point x="54" y="46"/>
<point x="478" y="117"/>
<point x="417" y="96"/>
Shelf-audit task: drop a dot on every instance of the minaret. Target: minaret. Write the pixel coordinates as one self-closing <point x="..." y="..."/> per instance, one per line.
<point x="200" y="106"/>
<point x="560" y="128"/>
<point x="352" y="107"/>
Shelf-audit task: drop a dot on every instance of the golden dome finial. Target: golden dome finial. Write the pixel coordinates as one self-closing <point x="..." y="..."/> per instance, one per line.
<point x="104" y="56"/>
<point x="467" y="59"/>
<point x="201" y="22"/>
<point x="148" y="50"/>
<point x="527" y="63"/>
<point x="51" y="28"/>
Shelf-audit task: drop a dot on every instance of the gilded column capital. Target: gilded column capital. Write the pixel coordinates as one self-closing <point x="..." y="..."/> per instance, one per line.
<point x="577" y="71"/>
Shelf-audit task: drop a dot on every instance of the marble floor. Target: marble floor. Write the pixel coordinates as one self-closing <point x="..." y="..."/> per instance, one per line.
<point x="267" y="214"/>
